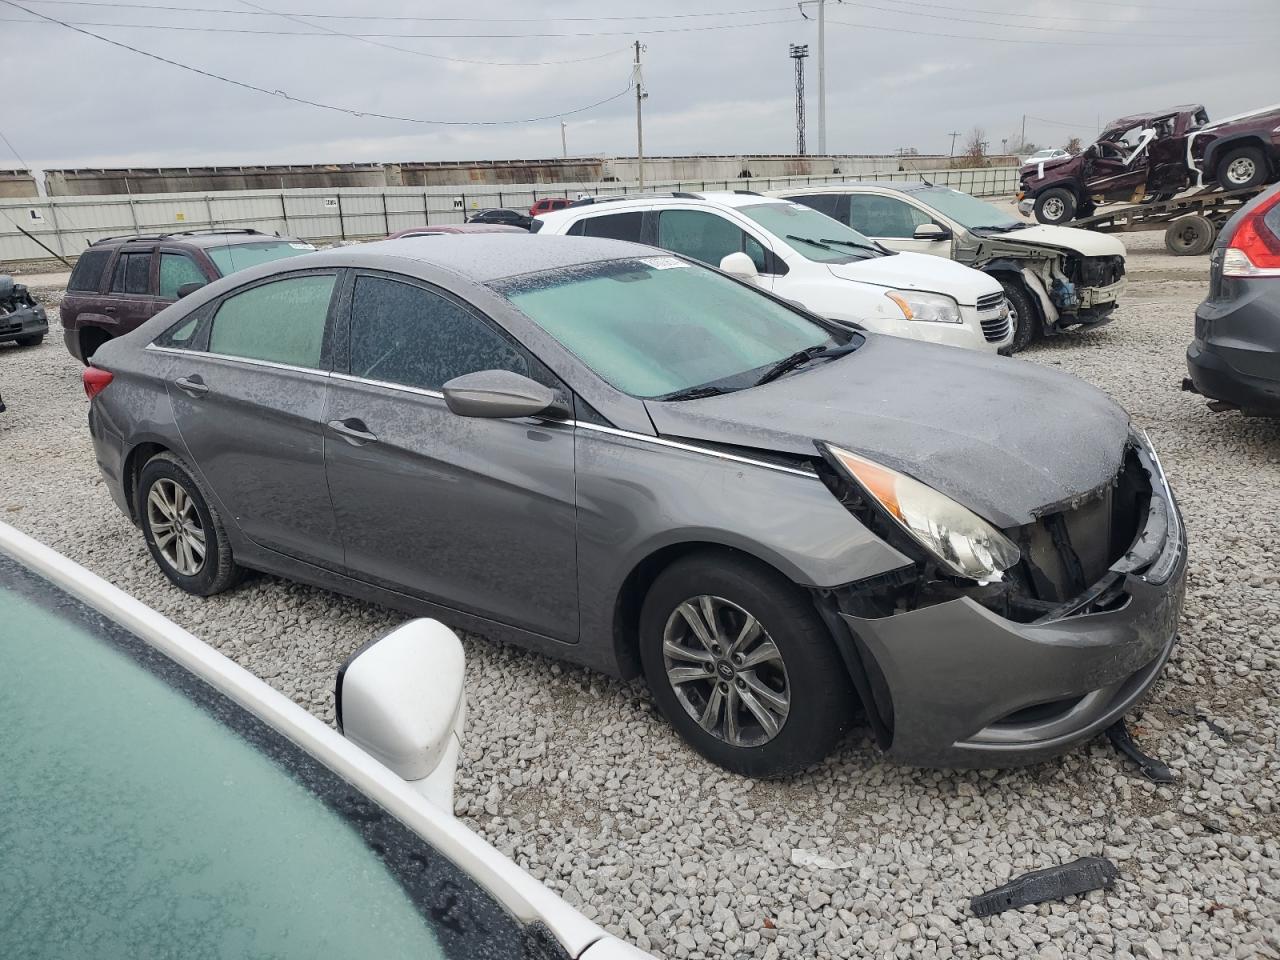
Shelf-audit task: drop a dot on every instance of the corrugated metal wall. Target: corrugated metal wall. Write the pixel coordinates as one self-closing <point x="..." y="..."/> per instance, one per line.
<point x="66" y="225"/>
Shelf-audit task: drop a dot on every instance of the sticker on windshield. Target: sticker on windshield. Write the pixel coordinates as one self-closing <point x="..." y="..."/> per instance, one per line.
<point x="663" y="263"/>
<point x="302" y="246"/>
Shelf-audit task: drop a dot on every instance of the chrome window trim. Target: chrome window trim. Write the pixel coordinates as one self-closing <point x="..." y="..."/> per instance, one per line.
<point x="387" y="384"/>
<point x="251" y="361"/>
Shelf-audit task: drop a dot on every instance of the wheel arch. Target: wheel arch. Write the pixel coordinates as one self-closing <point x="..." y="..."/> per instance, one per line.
<point x="1215" y="151"/>
<point x="134" y="461"/>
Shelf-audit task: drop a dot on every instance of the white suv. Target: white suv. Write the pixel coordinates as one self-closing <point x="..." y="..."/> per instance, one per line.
<point x="804" y="256"/>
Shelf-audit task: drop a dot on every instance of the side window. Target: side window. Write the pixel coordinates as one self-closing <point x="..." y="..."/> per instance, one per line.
<point x="401" y="333"/>
<point x="615" y="226"/>
<point x="754" y="249"/>
<point x="578" y="229"/>
<point x="885" y="217"/>
<point x="700" y="235"/>
<point x="132" y="273"/>
<point x="822" y="202"/>
<point x="282" y="322"/>
<point x="87" y="276"/>
<point x="184" y="335"/>
<point x="177" y="269"/>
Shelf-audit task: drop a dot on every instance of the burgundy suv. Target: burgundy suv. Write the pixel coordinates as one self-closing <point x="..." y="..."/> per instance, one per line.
<point x="121" y="282"/>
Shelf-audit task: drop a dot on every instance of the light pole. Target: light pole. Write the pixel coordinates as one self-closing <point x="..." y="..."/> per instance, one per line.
<point x="638" y="77"/>
<point x="564" y="143"/>
<point x="822" y="68"/>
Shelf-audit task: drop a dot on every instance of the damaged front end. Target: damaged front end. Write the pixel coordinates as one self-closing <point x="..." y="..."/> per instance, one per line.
<point x="957" y="672"/>
<point x="21" y="317"/>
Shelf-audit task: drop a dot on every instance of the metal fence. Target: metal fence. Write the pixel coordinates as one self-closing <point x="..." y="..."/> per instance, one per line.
<point x="37" y="229"/>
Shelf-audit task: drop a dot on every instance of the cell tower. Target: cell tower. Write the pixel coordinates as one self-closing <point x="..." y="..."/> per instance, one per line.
<point x="798" y="53"/>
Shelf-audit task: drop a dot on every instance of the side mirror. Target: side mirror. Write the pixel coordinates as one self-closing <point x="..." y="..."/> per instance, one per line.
<point x="401" y="700"/>
<point x="931" y="231"/>
<point x="741" y="266"/>
<point x="189" y="288"/>
<point x="497" y="395"/>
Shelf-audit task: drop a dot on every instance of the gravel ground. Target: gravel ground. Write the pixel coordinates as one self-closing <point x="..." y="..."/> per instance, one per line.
<point x="574" y="775"/>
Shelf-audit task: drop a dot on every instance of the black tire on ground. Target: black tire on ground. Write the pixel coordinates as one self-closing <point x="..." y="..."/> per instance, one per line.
<point x="807" y="672"/>
<point x="1242" y="167"/>
<point x="1190" y="236"/>
<point x="216" y="570"/>
<point x="1056" y="206"/>
<point x="31" y="341"/>
<point x="91" y="338"/>
<point x="1027" y="326"/>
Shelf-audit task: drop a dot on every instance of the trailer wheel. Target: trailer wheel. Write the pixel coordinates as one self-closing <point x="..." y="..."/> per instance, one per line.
<point x="1055" y="206"/>
<point x="1190" y="236"/>
<point x="1241" y="168"/>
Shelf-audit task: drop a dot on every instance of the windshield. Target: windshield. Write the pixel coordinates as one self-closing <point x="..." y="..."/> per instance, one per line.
<point x="969" y="212"/>
<point x="242" y="256"/>
<point x="654" y="326"/>
<point x="813" y="235"/>
<point x="147" y="815"/>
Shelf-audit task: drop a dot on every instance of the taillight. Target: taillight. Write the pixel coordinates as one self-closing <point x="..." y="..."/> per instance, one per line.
<point x="95" y="380"/>
<point x="1254" y="251"/>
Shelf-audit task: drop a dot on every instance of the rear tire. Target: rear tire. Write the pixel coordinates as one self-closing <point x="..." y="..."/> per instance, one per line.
<point x="91" y="338"/>
<point x="184" y="533"/>
<point x="788" y="669"/>
<point x="1190" y="236"/>
<point x="1026" y="326"/>
<point x="1056" y="206"/>
<point x="1241" y="168"/>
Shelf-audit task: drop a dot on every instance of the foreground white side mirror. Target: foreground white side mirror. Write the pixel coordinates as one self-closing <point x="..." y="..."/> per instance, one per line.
<point x="741" y="266"/>
<point x="402" y="700"/>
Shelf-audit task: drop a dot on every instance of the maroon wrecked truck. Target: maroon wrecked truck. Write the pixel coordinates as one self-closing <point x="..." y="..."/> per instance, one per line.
<point x="1155" y="156"/>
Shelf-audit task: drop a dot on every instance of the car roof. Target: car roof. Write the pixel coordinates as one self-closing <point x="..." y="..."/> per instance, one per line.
<point x="431" y="230"/>
<point x="483" y="257"/>
<point x="520" y="893"/>
<point x="196" y="238"/>
<point x="1152" y="114"/>
<point x="646" y="201"/>
<point x="852" y="186"/>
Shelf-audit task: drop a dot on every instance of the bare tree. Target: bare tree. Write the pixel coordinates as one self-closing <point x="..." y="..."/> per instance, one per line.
<point x="1073" y="146"/>
<point x="975" y="147"/>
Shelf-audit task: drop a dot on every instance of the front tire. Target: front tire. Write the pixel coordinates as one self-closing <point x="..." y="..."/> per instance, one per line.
<point x="1056" y="206"/>
<point x="1241" y="168"/>
<point x="1026" y="318"/>
<point x="740" y="663"/>
<point x="184" y="533"/>
<point x="32" y="341"/>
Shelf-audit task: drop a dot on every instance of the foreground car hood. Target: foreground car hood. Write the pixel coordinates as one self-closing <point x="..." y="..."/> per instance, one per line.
<point x="919" y="271"/>
<point x="1084" y="242"/>
<point x="1004" y="437"/>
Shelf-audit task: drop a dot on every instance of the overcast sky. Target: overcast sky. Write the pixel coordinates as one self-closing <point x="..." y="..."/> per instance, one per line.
<point x="72" y="100"/>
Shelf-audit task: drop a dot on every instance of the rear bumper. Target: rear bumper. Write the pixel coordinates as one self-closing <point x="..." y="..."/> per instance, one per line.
<point x="23" y="322"/>
<point x="71" y="337"/>
<point x="970" y="688"/>
<point x="1235" y="357"/>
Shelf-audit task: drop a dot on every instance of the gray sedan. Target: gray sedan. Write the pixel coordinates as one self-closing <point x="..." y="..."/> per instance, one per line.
<point x="619" y="457"/>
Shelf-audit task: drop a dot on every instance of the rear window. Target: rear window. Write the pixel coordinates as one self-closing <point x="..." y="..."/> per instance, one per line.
<point x="241" y="256"/>
<point x="616" y="226"/>
<point x="87" y="276"/>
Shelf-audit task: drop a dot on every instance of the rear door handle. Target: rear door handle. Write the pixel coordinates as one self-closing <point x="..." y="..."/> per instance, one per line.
<point x="108" y="309"/>
<point x="353" y="430"/>
<point x="192" y="386"/>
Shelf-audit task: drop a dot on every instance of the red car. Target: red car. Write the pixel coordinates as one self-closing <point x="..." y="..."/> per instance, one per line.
<point x="1155" y="156"/>
<point x="547" y="204"/>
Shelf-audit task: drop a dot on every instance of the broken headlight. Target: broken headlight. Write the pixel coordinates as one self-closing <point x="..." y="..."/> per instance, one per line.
<point x="962" y="542"/>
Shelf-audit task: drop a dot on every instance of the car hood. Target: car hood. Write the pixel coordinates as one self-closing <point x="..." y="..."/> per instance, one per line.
<point x="1006" y="438"/>
<point x="1033" y="169"/>
<point x="1084" y="242"/>
<point x="919" y="271"/>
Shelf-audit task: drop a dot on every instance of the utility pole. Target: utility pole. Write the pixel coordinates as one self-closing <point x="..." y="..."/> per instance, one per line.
<point x="822" y="69"/>
<point x="1022" y="147"/>
<point x="564" y="143"/>
<point x="953" y="134"/>
<point x="638" y="79"/>
<point x="798" y="53"/>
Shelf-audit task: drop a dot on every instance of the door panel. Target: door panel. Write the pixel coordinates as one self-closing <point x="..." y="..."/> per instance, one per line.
<point x="474" y="514"/>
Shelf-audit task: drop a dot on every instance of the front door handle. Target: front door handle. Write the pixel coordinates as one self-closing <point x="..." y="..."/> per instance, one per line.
<point x="192" y="386"/>
<point x="353" y="430"/>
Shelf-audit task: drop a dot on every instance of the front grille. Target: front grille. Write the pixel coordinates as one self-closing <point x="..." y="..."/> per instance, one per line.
<point x="995" y="326"/>
<point x="990" y="301"/>
<point x="996" y="329"/>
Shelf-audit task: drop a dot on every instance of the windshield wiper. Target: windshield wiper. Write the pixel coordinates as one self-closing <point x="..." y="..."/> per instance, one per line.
<point x="825" y="243"/>
<point x="801" y="357"/>
<point x="1003" y="227"/>
<point x="693" y="393"/>
<point x="874" y="248"/>
<point x="809" y="240"/>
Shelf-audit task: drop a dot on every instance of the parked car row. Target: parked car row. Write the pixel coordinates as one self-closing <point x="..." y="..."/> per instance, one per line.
<point x="620" y="456"/>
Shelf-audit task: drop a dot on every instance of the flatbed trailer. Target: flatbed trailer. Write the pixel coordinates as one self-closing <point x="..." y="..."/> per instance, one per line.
<point x="1191" y="221"/>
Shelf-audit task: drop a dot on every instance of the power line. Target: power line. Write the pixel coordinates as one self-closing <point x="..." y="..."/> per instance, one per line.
<point x="14" y="150"/>
<point x="1052" y="43"/>
<point x="399" y="34"/>
<point x="1060" y="123"/>
<point x="244" y="85"/>
<point x="356" y="16"/>
<point x="1040" y="16"/>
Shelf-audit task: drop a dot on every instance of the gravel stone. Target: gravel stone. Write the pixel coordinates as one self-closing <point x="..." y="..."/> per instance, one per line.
<point x="575" y="777"/>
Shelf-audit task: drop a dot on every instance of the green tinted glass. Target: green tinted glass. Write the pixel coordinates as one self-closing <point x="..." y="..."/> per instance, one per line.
<point x="177" y="269"/>
<point x="147" y="816"/>
<point x="656" y="325"/>
<point x="241" y="256"/>
<point x="282" y="322"/>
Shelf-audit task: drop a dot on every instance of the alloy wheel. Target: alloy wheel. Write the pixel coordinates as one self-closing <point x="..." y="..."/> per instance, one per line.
<point x="1241" y="170"/>
<point x="726" y="671"/>
<point x="176" y="527"/>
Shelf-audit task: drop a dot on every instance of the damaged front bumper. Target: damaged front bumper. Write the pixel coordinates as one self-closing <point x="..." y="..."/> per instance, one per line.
<point x="23" y="322"/>
<point x="966" y="687"/>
